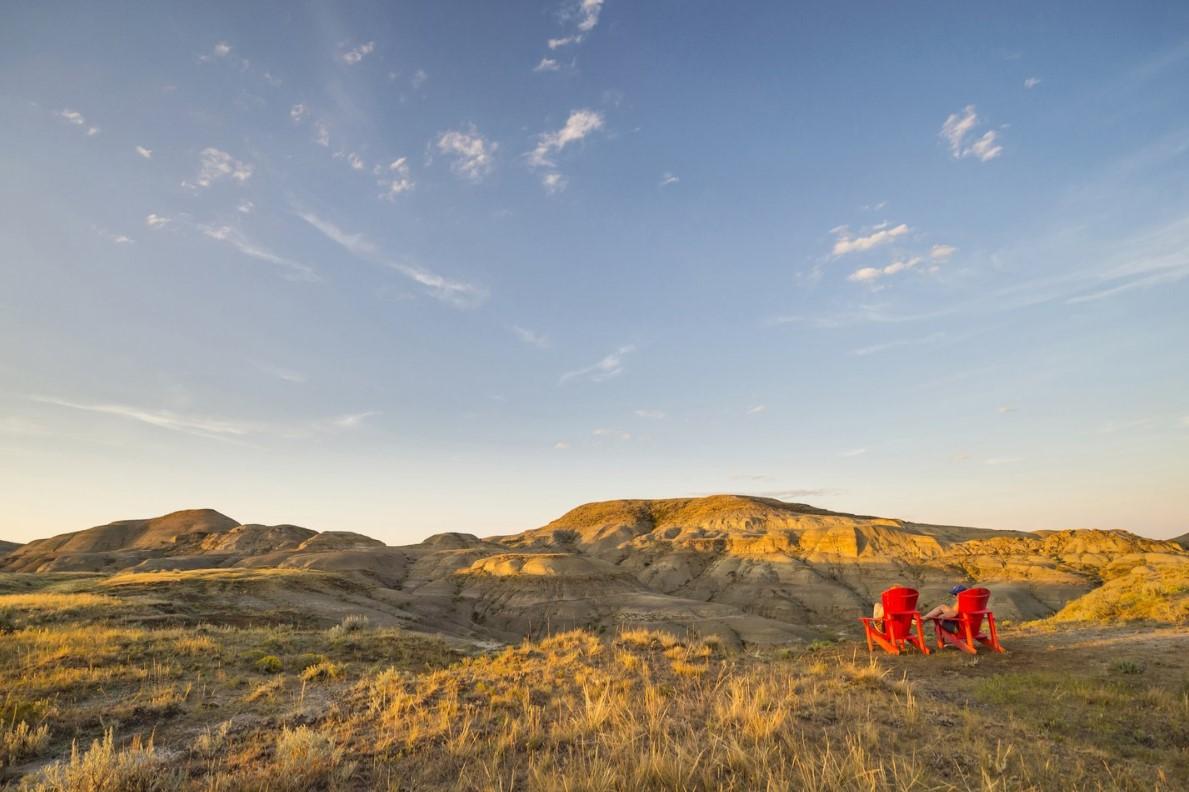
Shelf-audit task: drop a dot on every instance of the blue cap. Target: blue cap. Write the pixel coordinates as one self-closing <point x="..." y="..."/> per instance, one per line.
<point x="958" y="589"/>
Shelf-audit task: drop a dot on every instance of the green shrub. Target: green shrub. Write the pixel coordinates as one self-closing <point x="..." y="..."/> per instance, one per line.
<point x="270" y="664"/>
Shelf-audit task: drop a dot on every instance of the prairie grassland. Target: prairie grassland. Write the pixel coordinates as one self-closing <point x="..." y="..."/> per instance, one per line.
<point x="102" y="701"/>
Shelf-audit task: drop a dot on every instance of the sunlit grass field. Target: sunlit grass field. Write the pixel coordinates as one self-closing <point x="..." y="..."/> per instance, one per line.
<point x="98" y="695"/>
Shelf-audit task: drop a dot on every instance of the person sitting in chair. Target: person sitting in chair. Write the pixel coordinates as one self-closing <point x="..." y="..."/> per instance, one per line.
<point x="946" y="612"/>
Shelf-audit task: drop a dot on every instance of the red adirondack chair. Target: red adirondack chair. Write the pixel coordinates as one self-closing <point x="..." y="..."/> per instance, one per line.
<point x="900" y="615"/>
<point x="972" y="610"/>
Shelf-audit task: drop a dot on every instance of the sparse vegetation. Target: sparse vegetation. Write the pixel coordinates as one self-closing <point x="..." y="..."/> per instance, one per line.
<point x="179" y="708"/>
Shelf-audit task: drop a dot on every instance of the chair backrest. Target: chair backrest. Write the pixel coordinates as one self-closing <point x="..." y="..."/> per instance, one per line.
<point x="974" y="599"/>
<point x="898" y="604"/>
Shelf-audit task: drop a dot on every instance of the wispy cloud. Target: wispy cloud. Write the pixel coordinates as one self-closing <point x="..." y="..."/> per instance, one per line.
<point x="584" y="15"/>
<point x="211" y="427"/>
<point x="614" y="434"/>
<point x="154" y="220"/>
<point x="942" y="252"/>
<point x="202" y="426"/>
<point x="757" y="409"/>
<point x="472" y="156"/>
<point x="396" y="179"/>
<point x="356" y="54"/>
<point x="578" y="126"/>
<point x="457" y="293"/>
<point x="854" y="452"/>
<point x="147" y="153"/>
<point x="547" y="65"/>
<point x="656" y="415"/>
<point x="76" y="118"/>
<point x="553" y="182"/>
<point x="1031" y="82"/>
<point x="872" y="274"/>
<point x="114" y="238"/>
<point x="232" y="236"/>
<point x="561" y="445"/>
<point x="608" y="367"/>
<point x="667" y="179"/>
<point x="956" y="131"/>
<point x="215" y="165"/>
<point x="874" y="349"/>
<point x="848" y="243"/>
<point x="539" y="340"/>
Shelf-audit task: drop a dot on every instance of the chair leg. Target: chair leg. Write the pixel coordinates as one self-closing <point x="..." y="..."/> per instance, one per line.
<point x="994" y="634"/>
<point x="969" y="635"/>
<point x="920" y="642"/>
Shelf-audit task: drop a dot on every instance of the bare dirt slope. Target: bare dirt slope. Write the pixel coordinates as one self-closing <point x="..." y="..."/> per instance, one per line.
<point x="752" y="570"/>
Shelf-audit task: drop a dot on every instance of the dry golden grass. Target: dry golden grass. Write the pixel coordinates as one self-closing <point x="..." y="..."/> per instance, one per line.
<point x="231" y="709"/>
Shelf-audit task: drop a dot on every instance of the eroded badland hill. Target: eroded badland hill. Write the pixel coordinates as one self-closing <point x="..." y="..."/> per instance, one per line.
<point x="684" y="644"/>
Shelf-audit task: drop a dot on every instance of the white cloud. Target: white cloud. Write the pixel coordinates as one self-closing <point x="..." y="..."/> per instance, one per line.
<point x="864" y="275"/>
<point x="561" y="445"/>
<point x="298" y="113"/>
<point x="653" y="414"/>
<point x="356" y="161"/>
<point x="353" y="56"/>
<point x="580" y="124"/>
<point x="147" y="153"/>
<point x="872" y="274"/>
<point x="757" y="409"/>
<point x="114" y="238"/>
<point x="616" y="434"/>
<point x="1031" y="82"/>
<point x="667" y="179"/>
<point x="848" y="244"/>
<point x="211" y="427"/>
<point x="1004" y="409"/>
<point x="956" y="129"/>
<point x="202" y="426"/>
<point x="902" y="342"/>
<point x="321" y="133"/>
<point x="473" y="156"/>
<point x="531" y="338"/>
<point x="352" y="420"/>
<point x="396" y="179"/>
<point x="215" y="165"/>
<point x="547" y="65"/>
<point x="942" y="252"/>
<point x="233" y="237"/>
<point x="221" y="50"/>
<point x="589" y="11"/>
<point x="77" y="119"/>
<point x="457" y="293"/>
<point x="985" y="148"/>
<point x="586" y="14"/>
<point x="610" y="366"/>
<point x="418" y="79"/>
<point x="245" y="207"/>
<point x="155" y="221"/>
<point x="854" y="452"/>
<point x="553" y="182"/>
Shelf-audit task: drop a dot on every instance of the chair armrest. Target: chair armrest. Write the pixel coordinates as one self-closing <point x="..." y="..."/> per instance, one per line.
<point x="976" y="613"/>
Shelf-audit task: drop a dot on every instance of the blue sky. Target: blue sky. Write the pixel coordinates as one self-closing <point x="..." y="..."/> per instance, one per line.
<point x="410" y="267"/>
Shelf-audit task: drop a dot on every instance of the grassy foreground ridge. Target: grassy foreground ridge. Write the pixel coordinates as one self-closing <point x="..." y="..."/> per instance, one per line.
<point x="104" y="693"/>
